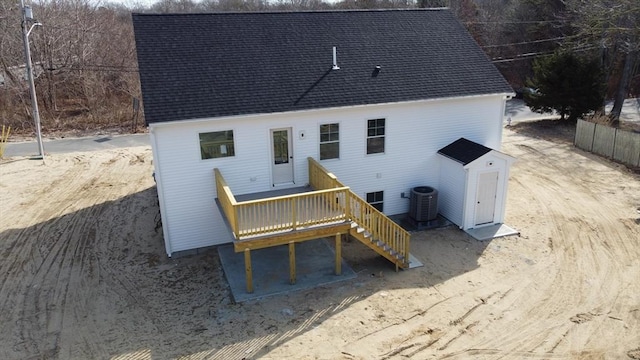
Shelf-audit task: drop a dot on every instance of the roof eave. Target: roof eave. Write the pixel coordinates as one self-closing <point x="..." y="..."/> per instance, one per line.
<point x="408" y="102"/>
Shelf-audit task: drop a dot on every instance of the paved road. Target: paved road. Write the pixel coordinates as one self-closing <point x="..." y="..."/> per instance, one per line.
<point x="92" y="143"/>
<point x="518" y="111"/>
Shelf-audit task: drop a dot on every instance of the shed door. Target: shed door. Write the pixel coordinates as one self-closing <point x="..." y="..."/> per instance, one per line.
<point x="486" y="197"/>
<point x="282" y="157"/>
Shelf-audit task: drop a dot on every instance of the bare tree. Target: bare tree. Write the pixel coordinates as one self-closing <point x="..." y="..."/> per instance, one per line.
<point x="612" y="26"/>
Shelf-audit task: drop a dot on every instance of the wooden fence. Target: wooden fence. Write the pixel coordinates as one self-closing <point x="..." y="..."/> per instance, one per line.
<point x="619" y="145"/>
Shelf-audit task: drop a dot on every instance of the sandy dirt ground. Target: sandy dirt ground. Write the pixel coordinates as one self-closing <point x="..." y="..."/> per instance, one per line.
<point x="83" y="273"/>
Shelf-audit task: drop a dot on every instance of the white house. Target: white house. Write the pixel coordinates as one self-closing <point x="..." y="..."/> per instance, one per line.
<point x="374" y="96"/>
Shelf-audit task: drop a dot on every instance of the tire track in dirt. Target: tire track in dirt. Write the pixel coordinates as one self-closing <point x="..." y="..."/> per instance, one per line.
<point x="91" y="275"/>
<point x="588" y="270"/>
<point x="583" y="267"/>
<point x="45" y="300"/>
<point x="34" y="245"/>
<point x="56" y="252"/>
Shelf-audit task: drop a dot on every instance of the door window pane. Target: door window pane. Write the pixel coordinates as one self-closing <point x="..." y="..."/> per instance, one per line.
<point x="280" y="147"/>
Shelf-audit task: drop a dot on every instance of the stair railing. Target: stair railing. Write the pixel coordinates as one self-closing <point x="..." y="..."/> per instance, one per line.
<point x="362" y="213"/>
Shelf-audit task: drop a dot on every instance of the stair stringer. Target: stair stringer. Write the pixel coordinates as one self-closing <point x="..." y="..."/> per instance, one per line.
<point x="379" y="246"/>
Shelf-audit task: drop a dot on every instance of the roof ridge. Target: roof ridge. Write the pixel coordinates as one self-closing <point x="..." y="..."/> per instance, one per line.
<point x="291" y="11"/>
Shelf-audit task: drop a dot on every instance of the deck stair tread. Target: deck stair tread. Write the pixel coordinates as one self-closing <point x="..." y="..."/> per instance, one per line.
<point x="379" y="246"/>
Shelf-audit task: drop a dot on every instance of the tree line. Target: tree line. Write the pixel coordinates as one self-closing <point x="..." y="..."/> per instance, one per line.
<point x="86" y="71"/>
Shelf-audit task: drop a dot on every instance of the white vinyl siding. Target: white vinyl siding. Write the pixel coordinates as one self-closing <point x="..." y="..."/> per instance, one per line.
<point x="451" y="190"/>
<point x="414" y="132"/>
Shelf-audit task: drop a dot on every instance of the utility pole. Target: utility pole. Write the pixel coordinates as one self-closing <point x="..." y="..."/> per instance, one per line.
<point x="27" y="18"/>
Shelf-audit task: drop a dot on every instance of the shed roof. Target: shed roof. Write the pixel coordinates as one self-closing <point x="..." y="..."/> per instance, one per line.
<point x="464" y="151"/>
<point x="222" y="64"/>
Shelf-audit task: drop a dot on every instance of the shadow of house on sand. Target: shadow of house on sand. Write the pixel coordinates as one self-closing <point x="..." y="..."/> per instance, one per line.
<point x="96" y="283"/>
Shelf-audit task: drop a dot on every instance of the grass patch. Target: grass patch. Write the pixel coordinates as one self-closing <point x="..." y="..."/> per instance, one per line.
<point x="3" y="139"/>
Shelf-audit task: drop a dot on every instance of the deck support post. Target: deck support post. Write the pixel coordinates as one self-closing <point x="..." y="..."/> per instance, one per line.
<point x="338" y="254"/>
<point x="248" y="270"/>
<point x="292" y="262"/>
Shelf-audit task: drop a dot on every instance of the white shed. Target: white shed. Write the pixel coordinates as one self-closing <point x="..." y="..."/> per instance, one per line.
<point x="473" y="184"/>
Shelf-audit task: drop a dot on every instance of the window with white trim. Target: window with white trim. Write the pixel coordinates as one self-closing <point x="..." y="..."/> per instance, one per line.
<point x="329" y="141"/>
<point x="375" y="136"/>
<point x="376" y="199"/>
<point x="216" y="144"/>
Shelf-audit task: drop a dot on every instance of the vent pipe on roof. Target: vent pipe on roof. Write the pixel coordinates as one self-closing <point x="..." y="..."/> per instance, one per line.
<point x="335" y="60"/>
<point x="376" y="71"/>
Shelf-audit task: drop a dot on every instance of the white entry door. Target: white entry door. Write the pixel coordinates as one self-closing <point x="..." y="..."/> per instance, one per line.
<point x="282" y="157"/>
<point x="486" y="197"/>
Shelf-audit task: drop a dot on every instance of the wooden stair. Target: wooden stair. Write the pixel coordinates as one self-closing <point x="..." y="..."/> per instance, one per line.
<point x="379" y="246"/>
<point x="368" y="225"/>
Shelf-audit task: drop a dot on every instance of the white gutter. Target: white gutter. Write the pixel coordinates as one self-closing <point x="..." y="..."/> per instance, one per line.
<point x="244" y="116"/>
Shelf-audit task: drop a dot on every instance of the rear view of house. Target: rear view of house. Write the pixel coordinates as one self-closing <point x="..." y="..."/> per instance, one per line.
<point x="354" y="106"/>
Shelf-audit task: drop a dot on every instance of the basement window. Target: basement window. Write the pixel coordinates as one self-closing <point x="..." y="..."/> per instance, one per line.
<point x="216" y="144"/>
<point x="329" y="141"/>
<point x="376" y="199"/>
<point x="375" y="136"/>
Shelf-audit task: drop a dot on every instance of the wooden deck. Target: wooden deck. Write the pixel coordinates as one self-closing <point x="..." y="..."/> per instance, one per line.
<point x="273" y="193"/>
<point x="326" y="208"/>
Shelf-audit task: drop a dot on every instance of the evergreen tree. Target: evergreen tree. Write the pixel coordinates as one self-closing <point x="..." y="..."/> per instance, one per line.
<point x="566" y="83"/>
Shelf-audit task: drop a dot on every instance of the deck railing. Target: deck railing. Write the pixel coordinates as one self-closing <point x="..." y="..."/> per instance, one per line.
<point x="291" y="212"/>
<point x="320" y="178"/>
<point x="227" y="201"/>
<point x="362" y="213"/>
<point x="330" y="202"/>
<point x="283" y="213"/>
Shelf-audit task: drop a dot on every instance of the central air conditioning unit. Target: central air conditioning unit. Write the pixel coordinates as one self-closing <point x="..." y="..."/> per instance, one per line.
<point x="423" y="203"/>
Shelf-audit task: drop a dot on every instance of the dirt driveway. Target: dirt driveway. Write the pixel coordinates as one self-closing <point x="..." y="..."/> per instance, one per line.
<point x="83" y="274"/>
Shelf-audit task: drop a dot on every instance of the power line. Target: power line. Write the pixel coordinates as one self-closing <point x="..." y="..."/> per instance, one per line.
<point x="101" y="32"/>
<point x="529" y="42"/>
<point x="93" y="67"/>
<point x="522" y="57"/>
<point x="104" y="70"/>
<point x="98" y="69"/>
<point x="528" y="56"/>
<point x="514" y="22"/>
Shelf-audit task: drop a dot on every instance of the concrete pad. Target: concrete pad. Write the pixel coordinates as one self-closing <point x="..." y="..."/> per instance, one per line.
<point x="414" y="262"/>
<point x="315" y="266"/>
<point x="409" y="224"/>
<point x="491" y="232"/>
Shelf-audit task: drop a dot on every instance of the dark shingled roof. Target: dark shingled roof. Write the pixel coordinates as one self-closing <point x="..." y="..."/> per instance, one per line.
<point x="464" y="151"/>
<point x="210" y="65"/>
